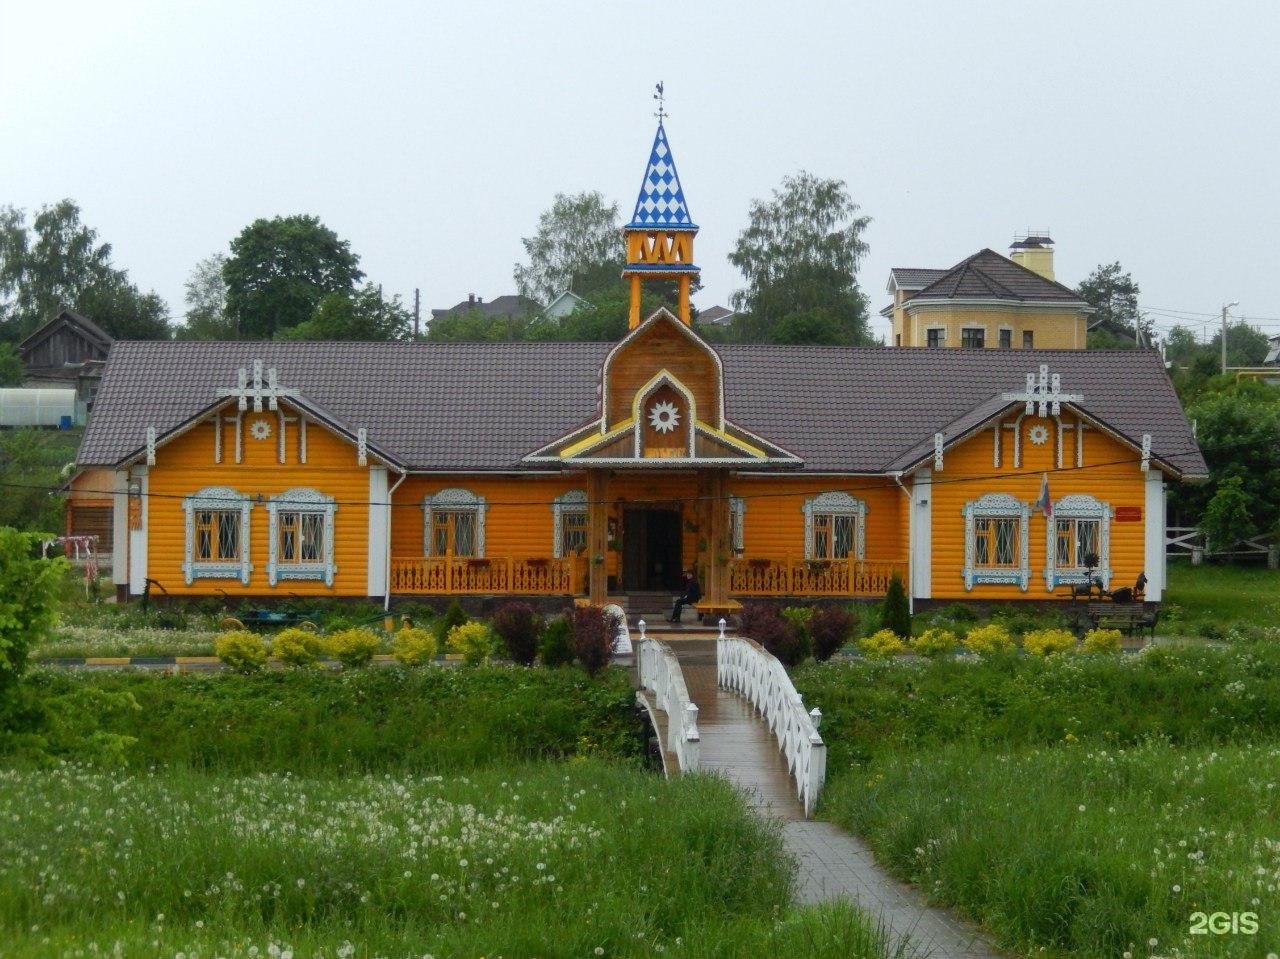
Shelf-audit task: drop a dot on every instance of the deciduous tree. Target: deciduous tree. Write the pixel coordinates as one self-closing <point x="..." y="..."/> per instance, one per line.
<point x="800" y="255"/>
<point x="577" y="247"/>
<point x="206" y="298"/>
<point x="1116" y="321"/>
<point x="59" y="261"/>
<point x="280" y="269"/>
<point x="362" y="315"/>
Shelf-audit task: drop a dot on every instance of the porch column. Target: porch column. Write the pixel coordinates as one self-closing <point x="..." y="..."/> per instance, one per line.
<point x="597" y="536"/>
<point x="718" y="546"/>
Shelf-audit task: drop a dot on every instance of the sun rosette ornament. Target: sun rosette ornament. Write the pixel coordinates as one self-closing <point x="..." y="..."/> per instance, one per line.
<point x="260" y="429"/>
<point x="663" y="416"/>
<point x="1039" y="435"/>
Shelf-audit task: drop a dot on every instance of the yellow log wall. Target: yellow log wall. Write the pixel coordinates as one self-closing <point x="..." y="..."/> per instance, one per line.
<point x="186" y="465"/>
<point x="1112" y="473"/>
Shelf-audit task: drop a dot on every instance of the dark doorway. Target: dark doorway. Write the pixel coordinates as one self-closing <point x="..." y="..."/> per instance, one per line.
<point x="651" y="549"/>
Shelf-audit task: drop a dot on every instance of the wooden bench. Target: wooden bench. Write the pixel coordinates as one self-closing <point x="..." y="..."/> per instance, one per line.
<point x="1129" y="618"/>
<point x="716" y="611"/>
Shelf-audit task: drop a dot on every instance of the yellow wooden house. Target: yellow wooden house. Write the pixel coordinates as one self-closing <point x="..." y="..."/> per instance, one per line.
<point x="593" y="470"/>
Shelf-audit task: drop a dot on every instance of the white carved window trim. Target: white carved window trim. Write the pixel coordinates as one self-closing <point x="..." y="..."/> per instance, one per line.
<point x="997" y="506"/>
<point x="301" y="500"/>
<point x="1078" y="506"/>
<point x="837" y="504"/>
<point x="570" y="501"/>
<point x="737" y="524"/>
<point x="453" y="500"/>
<point x="216" y="499"/>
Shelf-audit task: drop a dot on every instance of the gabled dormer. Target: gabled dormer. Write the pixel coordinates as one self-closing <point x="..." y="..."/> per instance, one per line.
<point x="662" y="403"/>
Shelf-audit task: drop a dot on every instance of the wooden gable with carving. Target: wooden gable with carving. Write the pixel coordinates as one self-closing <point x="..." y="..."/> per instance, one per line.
<point x="662" y="403"/>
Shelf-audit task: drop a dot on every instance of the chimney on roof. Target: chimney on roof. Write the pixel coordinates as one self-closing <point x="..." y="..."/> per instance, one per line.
<point x="471" y="299"/>
<point x="1034" y="250"/>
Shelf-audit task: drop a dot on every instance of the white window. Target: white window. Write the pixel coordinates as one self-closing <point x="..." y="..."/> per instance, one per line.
<point x="454" y="523"/>
<point x="833" y="526"/>
<point x="995" y="541"/>
<point x="217" y="535"/>
<point x="1079" y="539"/>
<point x="570" y="527"/>
<point x="300" y="542"/>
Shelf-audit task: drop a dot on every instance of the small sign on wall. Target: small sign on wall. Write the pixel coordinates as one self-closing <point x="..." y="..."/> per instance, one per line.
<point x="1128" y="514"/>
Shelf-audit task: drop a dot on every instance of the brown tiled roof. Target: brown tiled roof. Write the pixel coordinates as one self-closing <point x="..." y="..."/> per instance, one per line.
<point x="914" y="278"/>
<point x="509" y="304"/>
<point x="989" y="276"/>
<point x="483" y="406"/>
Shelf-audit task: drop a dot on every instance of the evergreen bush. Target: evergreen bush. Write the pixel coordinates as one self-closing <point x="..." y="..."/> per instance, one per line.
<point x="896" y="615"/>
<point x="473" y="640"/>
<point x="453" y="617"/>
<point x="298" y="647"/>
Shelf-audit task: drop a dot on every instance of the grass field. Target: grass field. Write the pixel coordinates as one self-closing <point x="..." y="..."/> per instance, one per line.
<point x="1210" y="600"/>
<point x="549" y="860"/>
<point x="1076" y="806"/>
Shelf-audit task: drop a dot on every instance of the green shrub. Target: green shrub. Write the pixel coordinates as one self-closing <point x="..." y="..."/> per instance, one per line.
<point x="934" y="643"/>
<point x="557" y="650"/>
<point x="988" y="639"/>
<point x="799" y="617"/>
<point x="298" y="647"/>
<point x="896" y="615"/>
<point x="829" y="629"/>
<point x="29" y="587"/>
<point x="1101" y="641"/>
<point x="883" y="644"/>
<point x="473" y="640"/>
<point x="354" y="647"/>
<point x="413" y="646"/>
<point x="518" y="625"/>
<point x="243" y="652"/>
<point x="453" y="617"/>
<point x="1047" y="642"/>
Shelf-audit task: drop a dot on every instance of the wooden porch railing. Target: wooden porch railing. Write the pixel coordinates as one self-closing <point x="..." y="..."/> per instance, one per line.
<point x="802" y="577"/>
<point x="497" y="574"/>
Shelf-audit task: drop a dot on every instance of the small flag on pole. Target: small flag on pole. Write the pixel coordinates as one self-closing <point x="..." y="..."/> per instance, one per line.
<point x="1044" y="504"/>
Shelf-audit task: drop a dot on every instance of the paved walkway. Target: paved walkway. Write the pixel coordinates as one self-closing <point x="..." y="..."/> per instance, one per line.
<point x="832" y="863"/>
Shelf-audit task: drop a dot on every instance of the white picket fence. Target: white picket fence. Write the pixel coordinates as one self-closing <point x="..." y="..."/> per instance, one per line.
<point x="748" y="669"/>
<point x="660" y="673"/>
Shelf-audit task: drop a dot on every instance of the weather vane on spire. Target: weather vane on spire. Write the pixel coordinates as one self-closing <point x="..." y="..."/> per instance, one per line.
<point x="659" y="97"/>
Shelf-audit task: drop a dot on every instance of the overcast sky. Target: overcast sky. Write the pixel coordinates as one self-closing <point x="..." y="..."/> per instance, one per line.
<point x="431" y="135"/>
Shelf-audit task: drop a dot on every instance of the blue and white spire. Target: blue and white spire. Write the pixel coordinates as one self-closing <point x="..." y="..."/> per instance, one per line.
<point x="661" y="203"/>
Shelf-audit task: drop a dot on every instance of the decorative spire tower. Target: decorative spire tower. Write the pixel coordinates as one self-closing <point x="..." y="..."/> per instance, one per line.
<point x="660" y="234"/>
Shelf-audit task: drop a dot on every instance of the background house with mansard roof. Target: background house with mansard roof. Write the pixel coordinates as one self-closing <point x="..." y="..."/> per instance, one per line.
<point x="989" y="300"/>
<point x="597" y="469"/>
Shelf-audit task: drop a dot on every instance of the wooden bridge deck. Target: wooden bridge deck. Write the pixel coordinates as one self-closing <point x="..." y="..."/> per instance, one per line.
<point x="832" y="864"/>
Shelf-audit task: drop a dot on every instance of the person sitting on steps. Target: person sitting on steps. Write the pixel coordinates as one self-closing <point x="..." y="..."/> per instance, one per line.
<point x="692" y="593"/>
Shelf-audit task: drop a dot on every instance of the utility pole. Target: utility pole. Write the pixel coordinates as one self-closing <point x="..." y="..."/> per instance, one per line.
<point x="1224" y="334"/>
<point x="417" y="311"/>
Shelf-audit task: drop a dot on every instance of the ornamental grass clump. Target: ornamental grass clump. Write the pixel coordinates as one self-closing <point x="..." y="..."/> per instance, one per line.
<point x="883" y="644"/>
<point x="988" y="640"/>
<point x="934" y="643"/>
<point x="243" y="652"/>
<point x="1047" y="642"/>
<point x="298" y="647"/>
<point x="1101" y="641"/>
<point x="413" y="646"/>
<point x="354" y="647"/>
<point x="473" y="640"/>
<point x="518" y="625"/>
